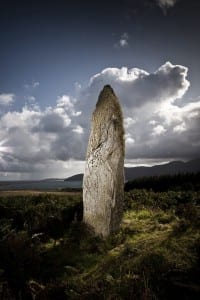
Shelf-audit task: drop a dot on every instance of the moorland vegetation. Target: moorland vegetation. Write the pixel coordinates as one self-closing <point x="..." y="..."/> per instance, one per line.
<point x="46" y="252"/>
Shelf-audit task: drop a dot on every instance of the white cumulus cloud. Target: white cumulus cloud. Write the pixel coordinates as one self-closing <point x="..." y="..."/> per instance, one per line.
<point x="6" y="99"/>
<point x="180" y="127"/>
<point x="78" y="129"/>
<point x="158" y="130"/>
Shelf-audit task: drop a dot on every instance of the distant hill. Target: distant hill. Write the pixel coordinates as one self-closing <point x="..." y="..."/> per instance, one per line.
<point x="77" y="177"/>
<point x="172" y="168"/>
<point x="52" y="179"/>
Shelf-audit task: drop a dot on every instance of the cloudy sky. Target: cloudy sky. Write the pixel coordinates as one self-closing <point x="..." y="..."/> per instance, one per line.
<point x="56" y="57"/>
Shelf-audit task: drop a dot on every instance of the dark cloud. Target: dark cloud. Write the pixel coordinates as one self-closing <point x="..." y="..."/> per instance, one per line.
<point x="53" y="122"/>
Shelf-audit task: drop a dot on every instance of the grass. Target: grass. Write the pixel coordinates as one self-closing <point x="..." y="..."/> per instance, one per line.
<point x="144" y="257"/>
<point x="155" y="255"/>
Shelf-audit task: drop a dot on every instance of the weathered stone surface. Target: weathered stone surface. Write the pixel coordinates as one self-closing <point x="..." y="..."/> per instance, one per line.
<point x="103" y="182"/>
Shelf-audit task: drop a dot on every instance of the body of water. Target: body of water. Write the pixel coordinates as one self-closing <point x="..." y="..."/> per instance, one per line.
<point x="43" y="185"/>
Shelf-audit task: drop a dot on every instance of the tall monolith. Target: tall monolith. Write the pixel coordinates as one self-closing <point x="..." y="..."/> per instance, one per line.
<point x="103" y="182"/>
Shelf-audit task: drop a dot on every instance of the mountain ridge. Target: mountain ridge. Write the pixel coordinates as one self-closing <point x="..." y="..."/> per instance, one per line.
<point x="171" y="168"/>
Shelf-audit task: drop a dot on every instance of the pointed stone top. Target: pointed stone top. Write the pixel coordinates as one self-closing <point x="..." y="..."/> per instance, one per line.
<point x="105" y="95"/>
<point x="108" y="88"/>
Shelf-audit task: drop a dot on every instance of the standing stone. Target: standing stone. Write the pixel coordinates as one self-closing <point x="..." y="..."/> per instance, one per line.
<point x="103" y="182"/>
